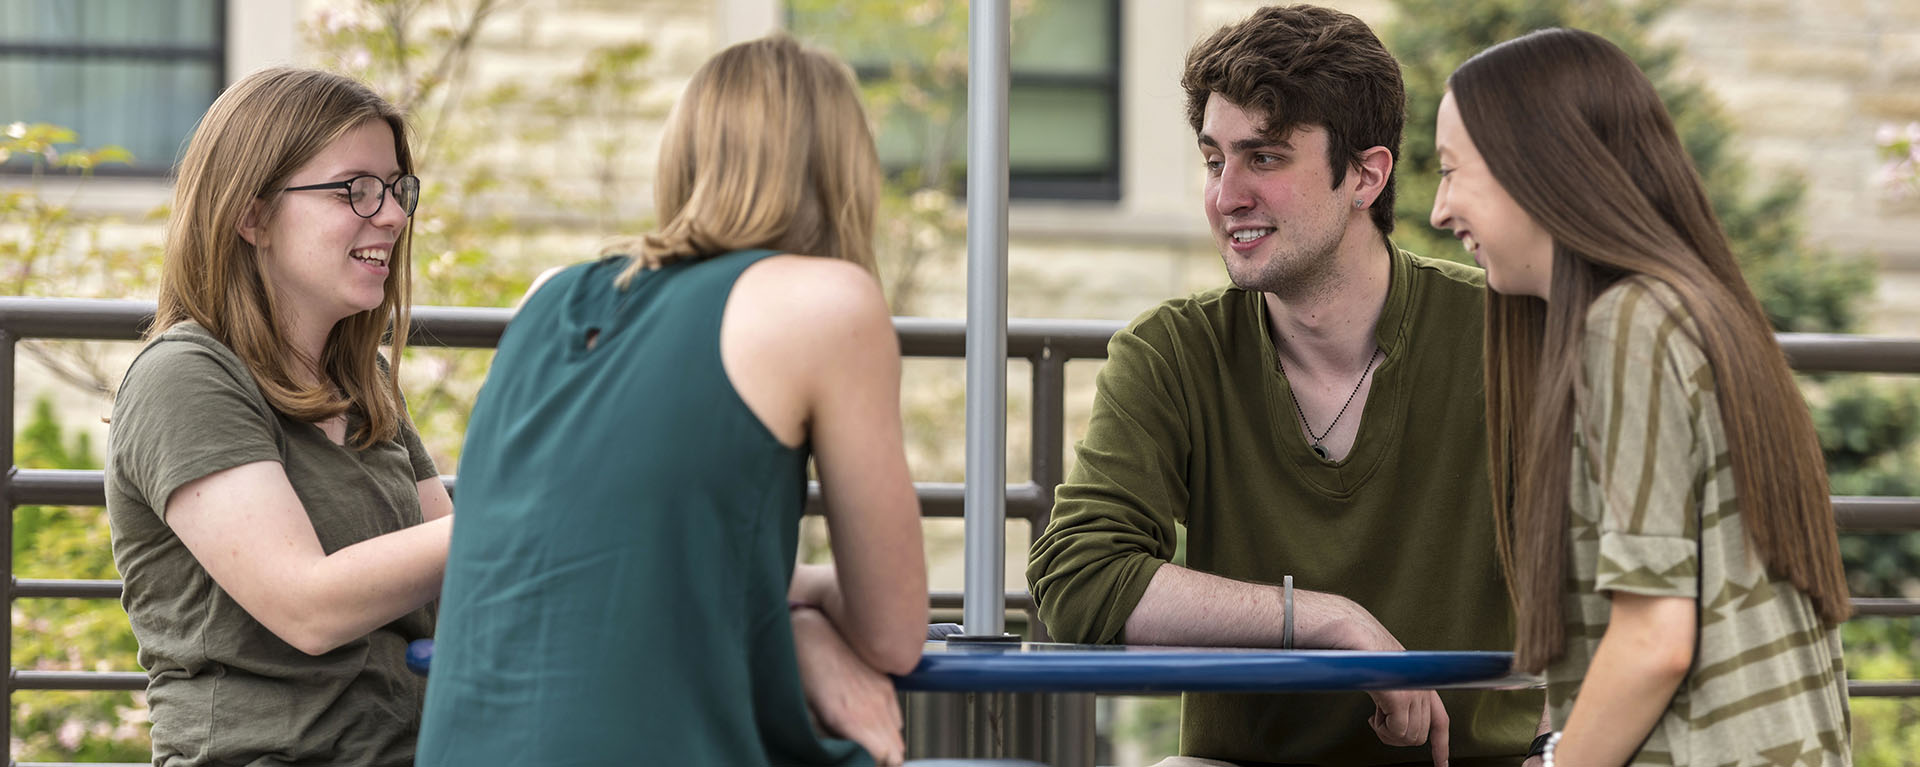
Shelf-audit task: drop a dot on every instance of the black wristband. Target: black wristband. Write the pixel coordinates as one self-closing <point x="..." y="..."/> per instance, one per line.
<point x="1539" y="746"/>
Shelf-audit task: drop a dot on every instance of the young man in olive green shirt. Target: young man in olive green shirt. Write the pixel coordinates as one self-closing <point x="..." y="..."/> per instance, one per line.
<point x="1321" y="419"/>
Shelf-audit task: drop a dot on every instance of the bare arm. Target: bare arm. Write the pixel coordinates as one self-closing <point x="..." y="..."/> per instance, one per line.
<point x="846" y="696"/>
<point x="809" y="344"/>
<point x="246" y="526"/>
<point x="873" y="514"/>
<point x="434" y="501"/>
<point x="1641" y="660"/>
<point x="1188" y="607"/>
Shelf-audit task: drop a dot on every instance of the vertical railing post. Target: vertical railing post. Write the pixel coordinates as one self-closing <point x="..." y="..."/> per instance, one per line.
<point x="984" y="608"/>
<point x="1049" y="447"/>
<point x="6" y="502"/>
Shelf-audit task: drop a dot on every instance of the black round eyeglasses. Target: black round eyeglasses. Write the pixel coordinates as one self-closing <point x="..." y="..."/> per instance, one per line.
<point x="368" y="193"/>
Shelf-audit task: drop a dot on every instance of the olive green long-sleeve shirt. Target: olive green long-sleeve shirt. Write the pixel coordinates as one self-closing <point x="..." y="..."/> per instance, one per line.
<point x="1193" y="424"/>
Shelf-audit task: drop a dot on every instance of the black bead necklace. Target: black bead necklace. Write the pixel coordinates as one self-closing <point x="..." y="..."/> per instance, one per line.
<point x="1318" y="449"/>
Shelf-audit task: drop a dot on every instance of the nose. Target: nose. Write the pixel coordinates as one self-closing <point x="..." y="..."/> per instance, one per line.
<point x="1232" y="193"/>
<point x="392" y="215"/>
<point x="1441" y="217"/>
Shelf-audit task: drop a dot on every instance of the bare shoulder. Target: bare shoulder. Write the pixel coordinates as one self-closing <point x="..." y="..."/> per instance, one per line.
<point x="809" y="297"/>
<point x="538" y="282"/>
<point x="794" y="323"/>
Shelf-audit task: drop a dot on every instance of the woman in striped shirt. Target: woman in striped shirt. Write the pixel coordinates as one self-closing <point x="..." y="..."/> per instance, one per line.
<point x="1661" y="498"/>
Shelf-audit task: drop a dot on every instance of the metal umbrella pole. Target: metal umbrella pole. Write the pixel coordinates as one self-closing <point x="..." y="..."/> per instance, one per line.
<point x="983" y="612"/>
<point x="1055" y="728"/>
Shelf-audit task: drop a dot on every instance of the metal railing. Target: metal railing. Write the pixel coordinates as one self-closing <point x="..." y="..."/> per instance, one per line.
<point x="1047" y="345"/>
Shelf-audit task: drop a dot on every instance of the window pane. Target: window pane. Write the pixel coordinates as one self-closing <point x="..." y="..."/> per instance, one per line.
<point x="1050" y="130"/>
<point x="1072" y="37"/>
<point x="1062" y="103"/>
<point x="1059" y="130"/>
<point x="148" y="107"/>
<point x="110" y="22"/>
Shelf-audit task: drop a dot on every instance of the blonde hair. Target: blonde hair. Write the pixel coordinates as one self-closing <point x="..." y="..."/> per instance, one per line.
<point x="254" y="137"/>
<point x="768" y="148"/>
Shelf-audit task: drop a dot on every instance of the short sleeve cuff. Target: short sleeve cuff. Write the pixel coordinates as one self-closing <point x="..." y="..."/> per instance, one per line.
<point x="1649" y="565"/>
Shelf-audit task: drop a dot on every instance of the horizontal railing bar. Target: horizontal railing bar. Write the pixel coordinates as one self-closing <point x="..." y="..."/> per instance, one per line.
<point x="79" y="764"/>
<point x="1838" y="353"/>
<point x="91" y="319"/>
<point x="930" y="337"/>
<point x="1901" y="689"/>
<point x="18" y="679"/>
<point x="477" y="327"/>
<point x="480" y="327"/>
<point x="1015" y="600"/>
<point x="31" y="588"/>
<point x="1862" y="513"/>
<point x="85" y="487"/>
<point x="137" y="680"/>
<point x="59" y="487"/>
<point x="947" y="500"/>
<point x="1882" y="606"/>
<point x="950" y="600"/>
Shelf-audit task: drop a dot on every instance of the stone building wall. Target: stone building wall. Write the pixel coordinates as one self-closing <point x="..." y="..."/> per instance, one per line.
<point x="1810" y="82"/>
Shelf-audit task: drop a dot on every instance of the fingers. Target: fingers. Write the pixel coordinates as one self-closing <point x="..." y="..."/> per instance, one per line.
<point x="1439" y="735"/>
<point x="885" y="746"/>
<point x="1411" y="719"/>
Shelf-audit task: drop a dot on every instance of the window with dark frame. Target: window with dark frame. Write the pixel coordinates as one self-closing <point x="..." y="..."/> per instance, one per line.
<point x="1063" y="116"/>
<point x="136" y="73"/>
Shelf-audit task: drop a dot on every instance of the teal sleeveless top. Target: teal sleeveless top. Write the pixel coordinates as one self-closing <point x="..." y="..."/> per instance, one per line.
<point x="624" y="535"/>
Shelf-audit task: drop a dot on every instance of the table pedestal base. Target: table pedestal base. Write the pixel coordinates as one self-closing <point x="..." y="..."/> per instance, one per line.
<point x="1048" y="727"/>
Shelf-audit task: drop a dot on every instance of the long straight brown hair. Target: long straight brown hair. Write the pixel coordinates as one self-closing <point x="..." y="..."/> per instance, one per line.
<point x="260" y="131"/>
<point x="1577" y="135"/>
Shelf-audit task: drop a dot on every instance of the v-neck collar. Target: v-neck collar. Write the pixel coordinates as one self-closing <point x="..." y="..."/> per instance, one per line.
<point x="1386" y="402"/>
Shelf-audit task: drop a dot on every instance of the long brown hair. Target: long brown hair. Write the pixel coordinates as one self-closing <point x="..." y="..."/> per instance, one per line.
<point x="767" y="148"/>
<point x="1578" y="136"/>
<point x="255" y="136"/>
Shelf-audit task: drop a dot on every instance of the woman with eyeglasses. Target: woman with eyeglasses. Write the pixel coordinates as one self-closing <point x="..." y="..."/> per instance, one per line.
<point x="279" y="525"/>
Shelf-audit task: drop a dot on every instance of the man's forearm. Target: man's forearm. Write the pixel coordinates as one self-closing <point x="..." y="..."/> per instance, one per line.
<point x="1189" y="607"/>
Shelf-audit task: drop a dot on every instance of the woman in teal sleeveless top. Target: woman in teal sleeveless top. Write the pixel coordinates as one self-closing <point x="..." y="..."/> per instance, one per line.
<point x="621" y="587"/>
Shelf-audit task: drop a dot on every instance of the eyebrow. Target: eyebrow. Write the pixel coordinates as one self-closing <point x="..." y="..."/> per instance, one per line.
<point x="354" y="172"/>
<point x="1248" y="144"/>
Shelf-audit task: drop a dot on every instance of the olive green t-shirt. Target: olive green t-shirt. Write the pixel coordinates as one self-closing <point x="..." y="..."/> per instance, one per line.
<point x="1193" y="424"/>
<point x="1655" y="512"/>
<point x="222" y="688"/>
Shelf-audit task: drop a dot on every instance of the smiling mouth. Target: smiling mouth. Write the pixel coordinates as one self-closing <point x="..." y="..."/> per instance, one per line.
<point x="1249" y="235"/>
<point x="370" y="256"/>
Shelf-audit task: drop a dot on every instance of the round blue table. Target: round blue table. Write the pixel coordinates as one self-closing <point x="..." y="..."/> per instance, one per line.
<point x="1030" y="667"/>
<point x="1120" y="669"/>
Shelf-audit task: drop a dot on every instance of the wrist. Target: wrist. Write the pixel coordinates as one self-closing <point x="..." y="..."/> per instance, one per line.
<point x="1539" y="744"/>
<point x="1547" y="749"/>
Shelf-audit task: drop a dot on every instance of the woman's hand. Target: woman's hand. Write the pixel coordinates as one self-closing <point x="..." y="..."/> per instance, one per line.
<point x="848" y="698"/>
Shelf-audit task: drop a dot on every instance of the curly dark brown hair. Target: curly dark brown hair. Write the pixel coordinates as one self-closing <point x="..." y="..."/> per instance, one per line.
<point x="1305" y="65"/>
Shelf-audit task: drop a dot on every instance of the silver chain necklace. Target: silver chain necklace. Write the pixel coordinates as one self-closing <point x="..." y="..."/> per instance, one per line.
<point x="1318" y="449"/>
